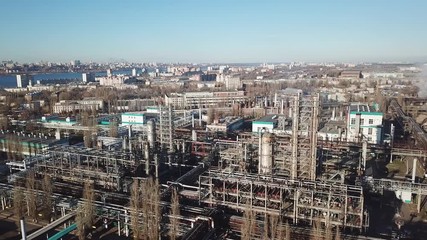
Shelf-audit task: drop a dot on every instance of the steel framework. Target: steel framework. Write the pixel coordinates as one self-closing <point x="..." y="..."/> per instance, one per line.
<point x="304" y="137"/>
<point x="166" y="127"/>
<point x="77" y="164"/>
<point x="301" y="201"/>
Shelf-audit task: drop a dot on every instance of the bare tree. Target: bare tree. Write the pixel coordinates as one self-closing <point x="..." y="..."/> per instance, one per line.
<point x="175" y="212"/>
<point x="266" y="227"/>
<point x="287" y="231"/>
<point x="248" y="223"/>
<point x="145" y="209"/>
<point x="280" y="229"/>
<point x="135" y="206"/>
<point x="114" y="131"/>
<point x="328" y="233"/>
<point x="86" y="211"/>
<point x="316" y="230"/>
<point x="211" y="115"/>
<point x="154" y="215"/>
<point x="87" y="138"/>
<point x="337" y="233"/>
<point x="81" y="229"/>
<point x="31" y="196"/>
<point x="89" y="209"/>
<point x="18" y="203"/>
<point x="47" y="197"/>
<point x="274" y="221"/>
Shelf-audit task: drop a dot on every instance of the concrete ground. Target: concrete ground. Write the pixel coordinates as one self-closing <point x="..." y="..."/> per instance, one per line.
<point x="10" y="231"/>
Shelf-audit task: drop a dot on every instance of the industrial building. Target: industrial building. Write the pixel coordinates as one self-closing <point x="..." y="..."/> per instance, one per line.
<point x="298" y="166"/>
<point x="192" y="100"/>
<point x="227" y="124"/>
<point x="88" y="104"/>
<point x="364" y="123"/>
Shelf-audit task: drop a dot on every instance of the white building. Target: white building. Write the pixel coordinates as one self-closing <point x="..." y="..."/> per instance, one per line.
<point x="232" y="83"/>
<point x="364" y="123"/>
<point x="88" y="77"/>
<point x="88" y="104"/>
<point x="265" y="124"/>
<point x="225" y="125"/>
<point x="116" y="80"/>
<point x="23" y="81"/>
<point x="133" y="118"/>
<point x="205" y="99"/>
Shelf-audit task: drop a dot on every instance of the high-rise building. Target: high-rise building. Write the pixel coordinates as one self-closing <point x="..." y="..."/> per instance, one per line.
<point x="88" y="77"/>
<point x="75" y="63"/>
<point x="22" y="81"/>
<point x="109" y="72"/>
<point x="134" y="72"/>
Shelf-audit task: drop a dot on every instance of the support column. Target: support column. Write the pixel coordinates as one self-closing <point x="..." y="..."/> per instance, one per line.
<point x="58" y="134"/>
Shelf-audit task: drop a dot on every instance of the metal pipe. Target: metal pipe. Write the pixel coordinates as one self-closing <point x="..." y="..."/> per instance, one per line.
<point x="414" y="169"/>
<point x="23" y="233"/>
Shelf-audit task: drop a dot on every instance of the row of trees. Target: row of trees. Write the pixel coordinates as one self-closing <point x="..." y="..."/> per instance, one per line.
<point x="85" y="212"/>
<point x="273" y="227"/>
<point x="145" y="209"/>
<point x="27" y="201"/>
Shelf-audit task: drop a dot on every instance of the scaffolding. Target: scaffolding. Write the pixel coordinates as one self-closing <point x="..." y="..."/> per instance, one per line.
<point x="235" y="155"/>
<point x="304" y="137"/>
<point x="77" y="165"/>
<point x="301" y="201"/>
<point x="166" y="127"/>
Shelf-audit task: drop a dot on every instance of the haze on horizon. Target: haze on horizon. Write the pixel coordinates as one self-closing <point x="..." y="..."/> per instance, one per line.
<point x="214" y="31"/>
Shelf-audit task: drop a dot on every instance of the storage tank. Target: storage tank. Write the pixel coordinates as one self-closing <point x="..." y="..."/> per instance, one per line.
<point x="124" y="144"/>
<point x="266" y="151"/>
<point x="151" y="133"/>
<point x="194" y="135"/>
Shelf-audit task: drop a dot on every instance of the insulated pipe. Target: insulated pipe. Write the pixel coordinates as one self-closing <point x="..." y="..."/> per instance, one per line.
<point x="23" y="233"/>
<point x="414" y="169"/>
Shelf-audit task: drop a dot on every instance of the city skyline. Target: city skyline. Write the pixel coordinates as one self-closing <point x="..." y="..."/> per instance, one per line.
<point x="214" y="31"/>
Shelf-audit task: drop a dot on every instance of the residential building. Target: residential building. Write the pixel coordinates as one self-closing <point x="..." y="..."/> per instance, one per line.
<point x="23" y="81"/>
<point x="88" y="77"/>
<point x="351" y="74"/>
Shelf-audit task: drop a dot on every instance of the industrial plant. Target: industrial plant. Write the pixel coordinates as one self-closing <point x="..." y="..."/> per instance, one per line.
<point x="290" y="163"/>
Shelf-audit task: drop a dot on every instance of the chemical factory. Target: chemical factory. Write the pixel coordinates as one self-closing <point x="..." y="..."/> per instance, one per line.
<point x="305" y="168"/>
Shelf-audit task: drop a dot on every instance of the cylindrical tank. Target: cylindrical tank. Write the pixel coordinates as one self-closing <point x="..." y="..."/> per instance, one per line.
<point x="130" y="131"/>
<point x="266" y="151"/>
<point x="151" y="133"/>
<point x="147" y="159"/>
<point x="194" y="135"/>
<point x="124" y="144"/>
<point x="100" y="144"/>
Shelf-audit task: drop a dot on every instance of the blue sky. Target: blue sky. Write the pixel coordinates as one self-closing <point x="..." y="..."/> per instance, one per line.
<point x="213" y="31"/>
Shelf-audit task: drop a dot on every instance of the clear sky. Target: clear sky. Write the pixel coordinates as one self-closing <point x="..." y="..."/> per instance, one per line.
<point x="213" y="31"/>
